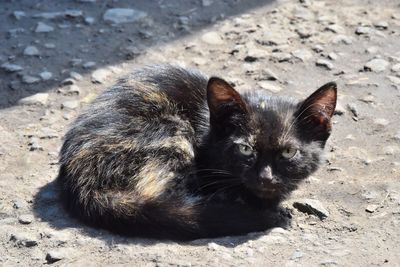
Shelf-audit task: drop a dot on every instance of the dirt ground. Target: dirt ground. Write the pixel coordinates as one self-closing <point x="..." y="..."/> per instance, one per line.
<point x="55" y="56"/>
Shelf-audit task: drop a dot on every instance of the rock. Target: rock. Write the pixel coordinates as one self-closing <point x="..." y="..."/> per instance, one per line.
<point x="34" y="144"/>
<point x="89" y="64"/>
<point x="100" y="75"/>
<point x="55" y="255"/>
<point x="45" y="75"/>
<point x="71" y="13"/>
<point x="376" y="65"/>
<point x="397" y="136"/>
<point x="381" y="122"/>
<point x="24" y="240"/>
<point x="297" y="255"/>
<point x="372" y="50"/>
<point x="28" y="79"/>
<point x="394" y="79"/>
<point x="381" y="25"/>
<point x="50" y="45"/>
<point x="89" y="20"/>
<point x="281" y="56"/>
<point x="212" y="38"/>
<point x="250" y="59"/>
<point x="371" y="208"/>
<point x="390" y="150"/>
<point x="206" y="3"/>
<point x="47" y="133"/>
<point x="302" y="54"/>
<point x="396" y="67"/>
<point x="70" y="104"/>
<point x="26" y="218"/>
<point x="335" y="28"/>
<point x="353" y="108"/>
<point x="123" y="15"/>
<point x="75" y="75"/>
<point x="311" y="206"/>
<point x="269" y="86"/>
<point x="304" y="33"/>
<point x="68" y="81"/>
<point x="324" y="63"/>
<point x="19" y="14"/>
<point x="363" y="30"/>
<point x="369" y="195"/>
<point x="342" y="39"/>
<point x="329" y="262"/>
<point x="43" y="28"/>
<point x="339" y="110"/>
<point x="39" y="98"/>
<point x="318" y="48"/>
<point x="267" y="74"/>
<point x="70" y="90"/>
<point x="368" y="99"/>
<point x="31" y="51"/>
<point x="11" y="67"/>
<point x="332" y="56"/>
<point x="19" y="204"/>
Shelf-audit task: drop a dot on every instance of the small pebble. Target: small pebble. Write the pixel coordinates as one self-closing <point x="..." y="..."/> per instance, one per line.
<point x="371" y="208"/>
<point x="353" y="108"/>
<point x="31" y="51"/>
<point x="55" y="255"/>
<point x="39" y="98"/>
<point x="100" y="75"/>
<point x="75" y="75"/>
<point x="212" y="38"/>
<point x="25" y="218"/>
<point x="28" y="79"/>
<point x="312" y="207"/>
<point x="325" y="64"/>
<point x="381" y="25"/>
<point x="45" y="75"/>
<point x="43" y="28"/>
<point x="363" y="30"/>
<point x="376" y="65"/>
<point x="123" y="15"/>
<point x="269" y="86"/>
<point x="89" y="64"/>
<point x="302" y="54"/>
<point x="34" y="144"/>
<point x="70" y="104"/>
<point x="9" y="67"/>
<point x="24" y="240"/>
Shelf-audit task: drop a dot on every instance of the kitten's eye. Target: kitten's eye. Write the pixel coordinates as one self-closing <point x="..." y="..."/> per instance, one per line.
<point x="289" y="152"/>
<point x="245" y="150"/>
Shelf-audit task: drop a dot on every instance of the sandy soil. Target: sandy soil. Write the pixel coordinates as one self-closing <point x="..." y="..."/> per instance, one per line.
<point x="52" y="64"/>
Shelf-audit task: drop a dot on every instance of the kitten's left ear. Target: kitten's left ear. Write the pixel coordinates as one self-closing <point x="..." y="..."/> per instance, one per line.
<point x="315" y="113"/>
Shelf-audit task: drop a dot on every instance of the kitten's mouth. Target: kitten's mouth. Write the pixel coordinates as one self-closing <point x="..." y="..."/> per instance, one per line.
<point x="265" y="191"/>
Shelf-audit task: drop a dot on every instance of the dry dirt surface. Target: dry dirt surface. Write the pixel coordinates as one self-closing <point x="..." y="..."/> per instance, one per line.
<point x="55" y="56"/>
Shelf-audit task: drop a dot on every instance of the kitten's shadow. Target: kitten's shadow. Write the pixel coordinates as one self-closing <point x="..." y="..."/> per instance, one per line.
<point x="48" y="208"/>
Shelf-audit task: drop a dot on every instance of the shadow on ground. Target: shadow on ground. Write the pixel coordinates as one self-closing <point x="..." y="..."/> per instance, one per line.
<point x="48" y="208"/>
<point x="82" y="37"/>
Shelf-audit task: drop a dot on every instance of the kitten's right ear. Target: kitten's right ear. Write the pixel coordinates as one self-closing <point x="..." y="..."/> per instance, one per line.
<point x="224" y="102"/>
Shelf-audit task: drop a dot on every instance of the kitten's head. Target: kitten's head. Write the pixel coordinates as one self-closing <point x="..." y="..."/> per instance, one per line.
<point x="269" y="143"/>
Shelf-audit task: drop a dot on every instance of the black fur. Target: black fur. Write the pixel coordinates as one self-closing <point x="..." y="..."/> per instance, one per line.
<point x="168" y="153"/>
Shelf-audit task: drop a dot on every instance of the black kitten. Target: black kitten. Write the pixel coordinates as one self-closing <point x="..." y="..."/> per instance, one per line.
<point x="168" y="153"/>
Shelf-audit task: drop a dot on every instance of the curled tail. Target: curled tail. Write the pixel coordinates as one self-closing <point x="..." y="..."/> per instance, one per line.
<point x="176" y="218"/>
